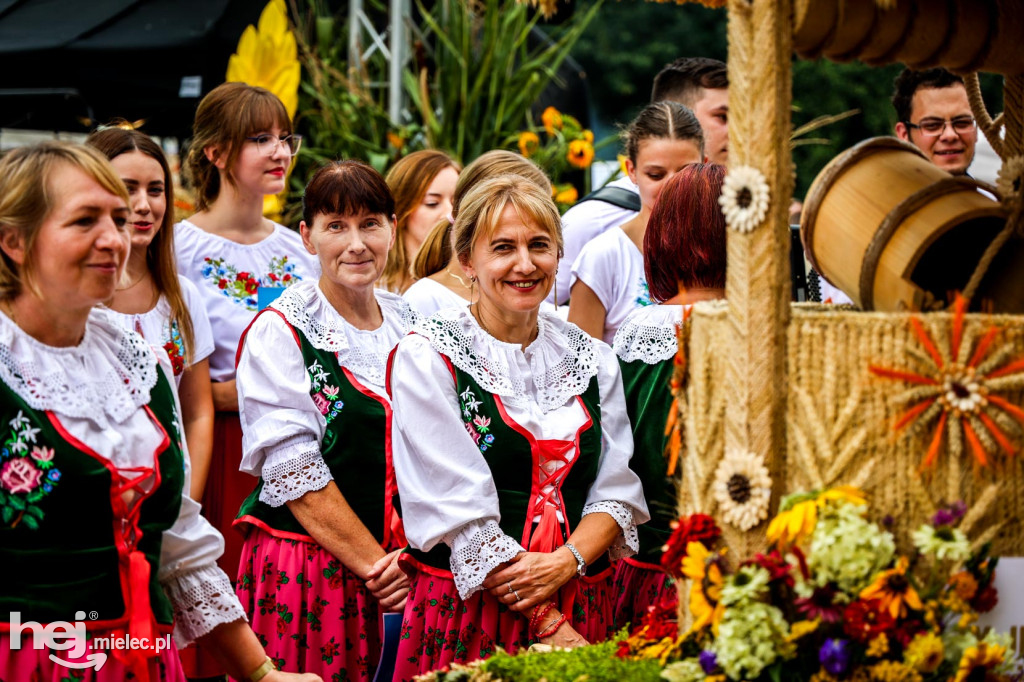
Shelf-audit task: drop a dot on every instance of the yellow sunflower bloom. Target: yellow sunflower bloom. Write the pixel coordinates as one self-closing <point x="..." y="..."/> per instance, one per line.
<point x="705" y="587"/>
<point x="567" y="195"/>
<point x="843" y="493"/>
<point x="924" y="653"/>
<point x="529" y="143"/>
<point x="552" y="120"/>
<point x="793" y="525"/>
<point x="893" y="591"/>
<point x="978" y="662"/>
<point x="581" y="153"/>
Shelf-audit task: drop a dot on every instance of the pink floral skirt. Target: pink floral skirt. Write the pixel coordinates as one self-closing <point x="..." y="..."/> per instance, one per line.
<point x="35" y="665"/>
<point x="439" y="628"/>
<point x="639" y="586"/>
<point x="311" y="613"/>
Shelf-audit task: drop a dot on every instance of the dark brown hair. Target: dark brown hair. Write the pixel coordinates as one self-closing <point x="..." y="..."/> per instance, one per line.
<point x="113" y="142"/>
<point x="909" y="81"/>
<point x="685" y="240"/>
<point x="662" y="120"/>
<point x="685" y="80"/>
<point x="227" y="115"/>
<point x="346" y="188"/>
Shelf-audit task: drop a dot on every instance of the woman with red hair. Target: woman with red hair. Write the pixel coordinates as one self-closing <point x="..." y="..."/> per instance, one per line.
<point x="684" y="260"/>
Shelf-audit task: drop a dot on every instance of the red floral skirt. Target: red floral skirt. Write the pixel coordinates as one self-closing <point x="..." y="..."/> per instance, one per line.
<point x="639" y="586"/>
<point x="311" y="613"/>
<point x="35" y="665"/>
<point x="439" y="628"/>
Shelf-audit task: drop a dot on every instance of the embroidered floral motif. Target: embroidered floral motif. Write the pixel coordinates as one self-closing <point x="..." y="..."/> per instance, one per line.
<point x="643" y="296"/>
<point x="478" y="426"/>
<point x="26" y="475"/>
<point x="175" y="347"/>
<point x="325" y="397"/>
<point x="241" y="287"/>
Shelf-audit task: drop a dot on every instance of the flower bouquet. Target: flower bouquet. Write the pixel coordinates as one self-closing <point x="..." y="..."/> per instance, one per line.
<point x="831" y="600"/>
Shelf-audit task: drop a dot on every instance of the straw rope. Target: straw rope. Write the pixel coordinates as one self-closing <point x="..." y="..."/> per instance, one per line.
<point x="989" y="126"/>
<point x="1013" y="112"/>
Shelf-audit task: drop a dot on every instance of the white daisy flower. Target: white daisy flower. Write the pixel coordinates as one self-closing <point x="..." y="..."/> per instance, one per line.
<point x="745" y="198"/>
<point x="743" y="489"/>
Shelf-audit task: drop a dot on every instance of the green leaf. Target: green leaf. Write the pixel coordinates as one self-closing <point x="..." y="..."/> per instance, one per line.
<point x="8" y="515"/>
<point x="16" y="503"/>
<point x="30" y="522"/>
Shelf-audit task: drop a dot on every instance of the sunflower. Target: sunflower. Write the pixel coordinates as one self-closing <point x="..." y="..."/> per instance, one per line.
<point x="552" y="120"/>
<point x="924" y="653"/>
<point x="529" y="143"/>
<point x="743" y="489"/>
<point x="566" y="194"/>
<point x="581" y="153"/>
<point x="701" y="567"/>
<point x="979" y="663"/>
<point x="893" y="591"/>
<point x="799" y="513"/>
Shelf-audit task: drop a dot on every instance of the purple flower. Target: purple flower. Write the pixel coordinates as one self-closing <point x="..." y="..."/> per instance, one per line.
<point x="708" y="661"/>
<point x="949" y="515"/>
<point x="834" y="656"/>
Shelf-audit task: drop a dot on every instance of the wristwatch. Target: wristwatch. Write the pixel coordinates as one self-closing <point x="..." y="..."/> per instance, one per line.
<point x="581" y="565"/>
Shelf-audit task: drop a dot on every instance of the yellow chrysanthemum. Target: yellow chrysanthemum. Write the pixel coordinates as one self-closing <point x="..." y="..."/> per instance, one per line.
<point x="529" y="143"/>
<point x="879" y="646"/>
<point x="924" y="653"/>
<point x="567" y="195"/>
<point x="893" y="591"/>
<point x="705" y="587"/>
<point x="552" y="120"/>
<point x="979" y="661"/>
<point x="893" y="671"/>
<point x="581" y="153"/>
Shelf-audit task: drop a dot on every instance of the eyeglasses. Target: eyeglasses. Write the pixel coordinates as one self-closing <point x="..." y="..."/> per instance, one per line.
<point x="933" y="127"/>
<point x="268" y="144"/>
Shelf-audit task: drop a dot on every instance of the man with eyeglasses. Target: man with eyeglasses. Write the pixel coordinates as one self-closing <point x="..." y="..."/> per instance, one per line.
<point x="935" y="116"/>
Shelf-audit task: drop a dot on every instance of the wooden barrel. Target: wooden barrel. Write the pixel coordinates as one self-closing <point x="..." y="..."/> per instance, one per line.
<point x="892" y="230"/>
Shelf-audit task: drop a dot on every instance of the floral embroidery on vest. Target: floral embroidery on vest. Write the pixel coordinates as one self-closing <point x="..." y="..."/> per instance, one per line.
<point x="175" y="346"/>
<point x="477" y="425"/>
<point x="241" y="287"/>
<point x="26" y="476"/>
<point x="325" y="396"/>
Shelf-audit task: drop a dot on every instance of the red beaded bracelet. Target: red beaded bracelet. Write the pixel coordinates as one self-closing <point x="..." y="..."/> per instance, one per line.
<point x="539" y="612"/>
<point x="553" y="627"/>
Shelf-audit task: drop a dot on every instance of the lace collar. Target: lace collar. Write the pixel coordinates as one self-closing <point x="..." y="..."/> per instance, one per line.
<point x="364" y="352"/>
<point x="649" y="334"/>
<point x="558" y="365"/>
<point x="105" y="378"/>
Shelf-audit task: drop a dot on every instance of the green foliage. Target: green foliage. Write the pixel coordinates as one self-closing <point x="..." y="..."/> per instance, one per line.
<point x="594" y="663"/>
<point x="486" y="76"/>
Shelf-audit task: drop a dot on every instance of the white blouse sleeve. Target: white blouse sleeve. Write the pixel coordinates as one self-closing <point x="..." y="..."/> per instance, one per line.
<point x="281" y="427"/>
<point x="447" y="493"/>
<point x="202" y="333"/>
<point x="200" y="592"/>
<point x="616" y="490"/>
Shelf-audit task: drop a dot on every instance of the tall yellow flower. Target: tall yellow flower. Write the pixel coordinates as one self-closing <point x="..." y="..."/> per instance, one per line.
<point x="529" y="143"/>
<point x="267" y="57"/>
<point x="552" y="120"/>
<point x="700" y="567"/>
<point x="581" y="153"/>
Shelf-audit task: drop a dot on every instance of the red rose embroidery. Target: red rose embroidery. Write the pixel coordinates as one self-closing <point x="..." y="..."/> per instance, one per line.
<point x="20" y="476"/>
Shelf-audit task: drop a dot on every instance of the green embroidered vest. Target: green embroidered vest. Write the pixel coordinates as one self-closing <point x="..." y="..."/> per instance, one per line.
<point x="67" y="534"/>
<point x="648" y="400"/>
<point x="354" y="447"/>
<point x="511" y="453"/>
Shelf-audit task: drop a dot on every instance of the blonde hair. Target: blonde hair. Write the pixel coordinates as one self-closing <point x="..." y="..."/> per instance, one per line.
<point x="436" y="251"/>
<point x="160" y="260"/>
<point x="409" y="180"/>
<point x="26" y="198"/>
<point x="484" y="204"/>
<point x="227" y="115"/>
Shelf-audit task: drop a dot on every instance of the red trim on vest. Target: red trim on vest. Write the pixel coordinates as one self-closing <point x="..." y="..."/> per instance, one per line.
<point x="241" y="339"/>
<point x="407" y="561"/>
<point x="642" y="564"/>
<point x="393" y="528"/>
<point x="134" y="567"/>
<point x="283" y="534"/>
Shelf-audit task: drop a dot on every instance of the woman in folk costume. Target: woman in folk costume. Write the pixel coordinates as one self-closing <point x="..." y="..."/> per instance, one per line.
<point x="95" y="472"/>
<point x="320" y="558"/>
<point x="684" y="259"/>
<point x="511" y="451"/>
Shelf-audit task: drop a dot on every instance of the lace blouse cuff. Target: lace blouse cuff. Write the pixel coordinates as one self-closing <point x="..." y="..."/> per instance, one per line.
<point x="475" y="554"/>
<point x="291" y="477"/>
<point x="627" y="543"/>
<point x="203" y="599"/>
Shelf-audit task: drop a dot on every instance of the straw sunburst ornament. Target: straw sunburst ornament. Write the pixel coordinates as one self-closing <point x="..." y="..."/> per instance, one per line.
<point x="955" y="393"/>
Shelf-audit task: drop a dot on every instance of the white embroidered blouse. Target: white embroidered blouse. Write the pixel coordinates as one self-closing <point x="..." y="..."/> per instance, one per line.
<point x="649" y="334"/>
<point x="98" y="390"/>
<point x="281" y="426"/>
<point x="447" y="491"/>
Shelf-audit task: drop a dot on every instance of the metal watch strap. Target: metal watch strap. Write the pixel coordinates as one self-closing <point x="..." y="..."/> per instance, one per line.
<point x="581" y="565"/>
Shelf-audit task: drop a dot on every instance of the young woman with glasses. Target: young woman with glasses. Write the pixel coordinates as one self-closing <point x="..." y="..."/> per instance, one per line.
<point x="242" y="146"/>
